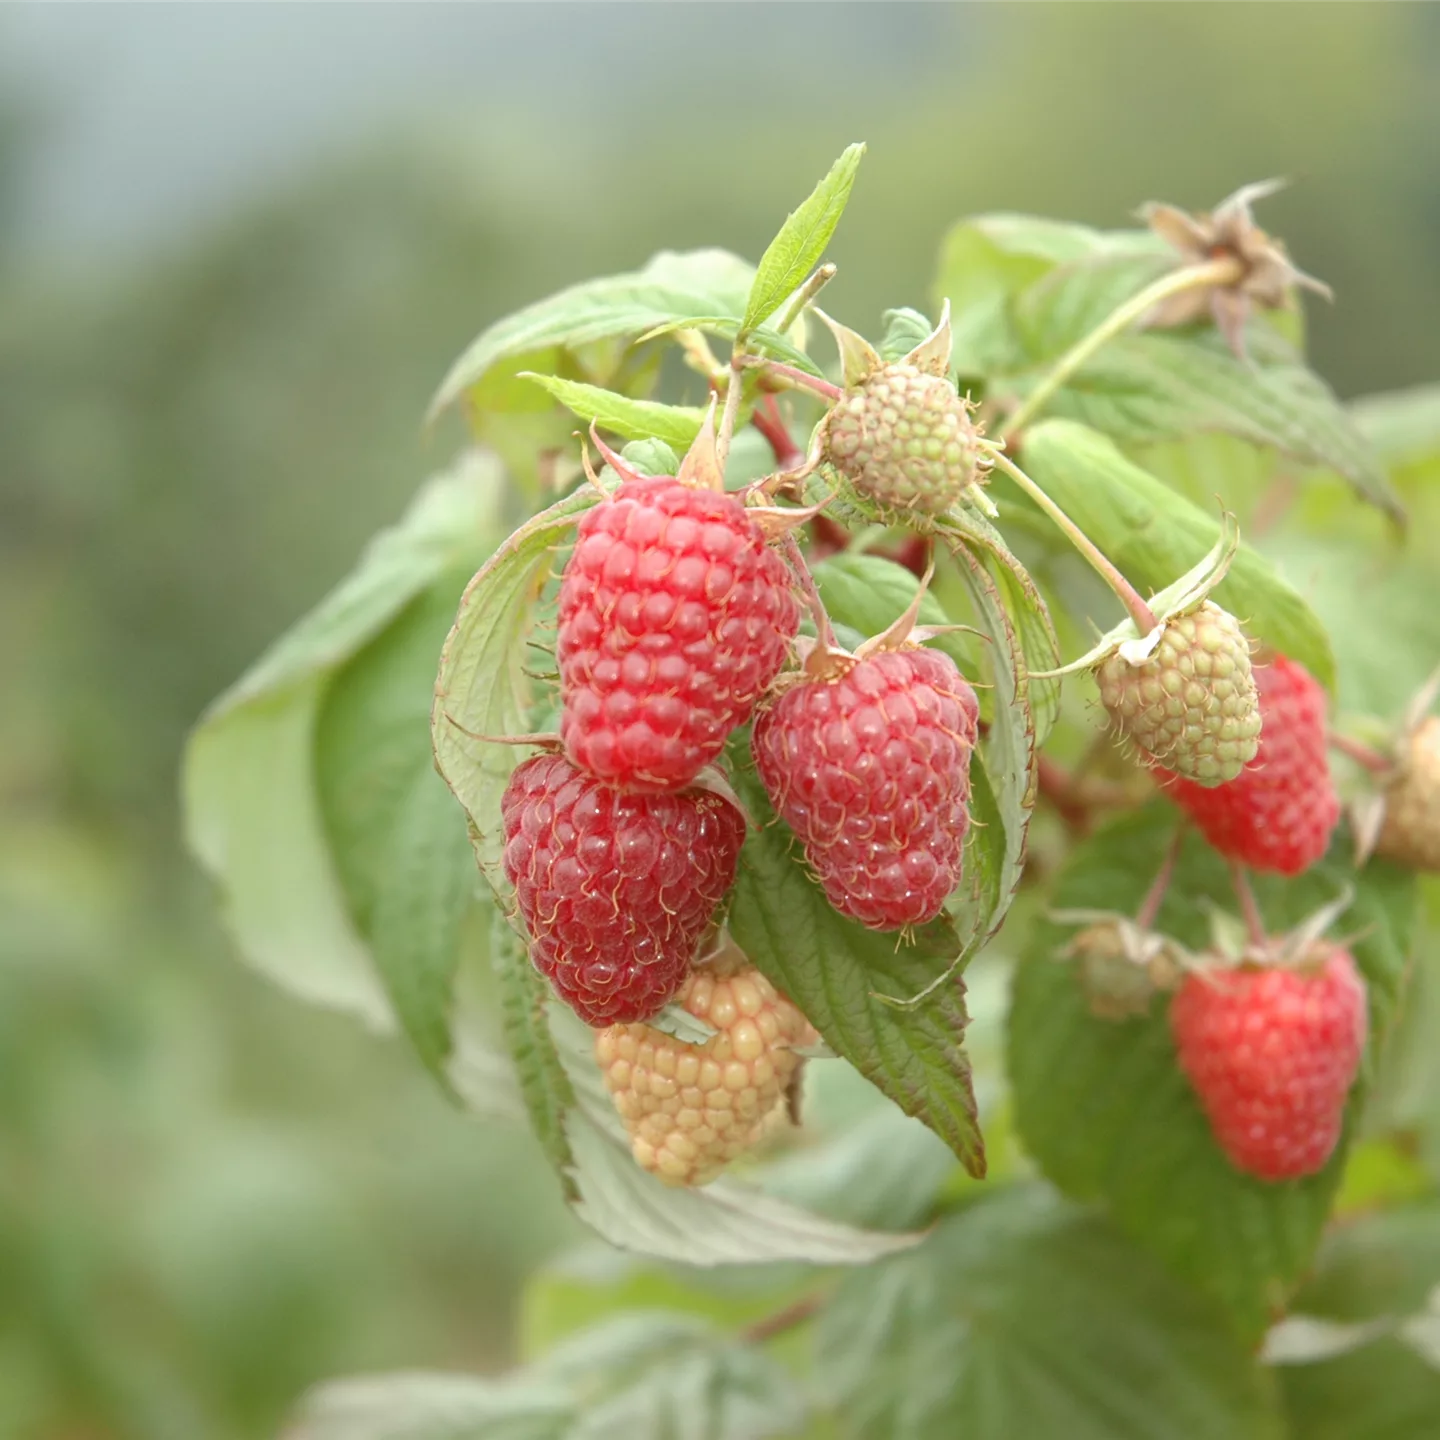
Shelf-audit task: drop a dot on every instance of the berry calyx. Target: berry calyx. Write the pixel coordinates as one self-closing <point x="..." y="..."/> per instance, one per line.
<point x="1279" y="813"/>
<point x="674" y="616"/>
<point x="616" y="890"/>
<point x="868" y="762"/>
<point x="1271" y="1052"/>
<point x="1411" y="829"/>
<point x="1191" y="704"/>
<point x="691" y="1109"/>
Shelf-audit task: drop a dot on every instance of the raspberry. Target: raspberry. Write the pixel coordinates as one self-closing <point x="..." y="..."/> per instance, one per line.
<point x="1272" y="1053"/>
<point x="1279" y="814"/>
<point x="1192" y="704"/>
<point x="1411" y="832"/>
<point x="870" y="767"/>
<point x="674" y="616"/>
<point x="616" y="890"/>
<point x="905" y="438"/>
<point x="691" y="1109"/>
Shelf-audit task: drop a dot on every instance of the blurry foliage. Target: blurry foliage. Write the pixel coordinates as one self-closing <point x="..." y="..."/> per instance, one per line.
<point x="209" y="1198"/>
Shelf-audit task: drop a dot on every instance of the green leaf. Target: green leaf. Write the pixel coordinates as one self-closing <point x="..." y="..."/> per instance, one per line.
<point x="1153" y="535"/>
<point x="670" y="287"/>
<point x="544" y="1083"/>
<point x="252" y="813"/>
<point x="482" y="688"/>
<point x="1021" y="1317"/>
<point x="676" y="425"/>
<point x="642" y="1376"/>
<point x="1377" y="1267"/>
<point x="1103" y="1106"/>
<point x="904" y="330"/>
<point x="1159" y="386"/>
<point x="396" y="836"/>
<point x="797" y="249"/>
<point x="1404" y="429"/>
<point x="833" y="968"/>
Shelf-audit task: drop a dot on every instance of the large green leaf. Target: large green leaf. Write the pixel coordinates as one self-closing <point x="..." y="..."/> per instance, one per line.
<point x="1103" y="1106"/>
<point x="1153" y="535"/>
<point x="1378" y="1272"/>
<point x="644" y="1376"/>
<point x="795" y="251"/>
<point x="252" y="813"/>
<point x="834" y="969"/>
<point x="1404" y="428"/>
<point x="671" y="287"/>
<point x="397" y="839"/>
<point x="1021" y="1317"/>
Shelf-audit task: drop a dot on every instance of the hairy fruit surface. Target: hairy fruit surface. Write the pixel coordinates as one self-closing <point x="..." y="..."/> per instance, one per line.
<point x="871" y="770"/>
<point x="1279" y="814"/>
<point x="674" y="615"/>
<point x="692" y="1109"/>
<point x="1411" y="832"/>
<point x="1192" y="704"/>
<point x="1272" y="1052"/>
<point x="905" y="438"/>
<point x="616" y="890"/>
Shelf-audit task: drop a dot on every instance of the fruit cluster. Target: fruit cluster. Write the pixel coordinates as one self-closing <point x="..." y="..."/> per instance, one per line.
<point x="676" y="617"/>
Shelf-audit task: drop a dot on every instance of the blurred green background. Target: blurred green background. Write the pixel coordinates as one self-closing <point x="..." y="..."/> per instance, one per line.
<point x="238" y="248"/>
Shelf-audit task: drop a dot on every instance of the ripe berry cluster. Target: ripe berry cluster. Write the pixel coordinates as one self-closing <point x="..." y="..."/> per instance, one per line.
<point x="675" y="620"/>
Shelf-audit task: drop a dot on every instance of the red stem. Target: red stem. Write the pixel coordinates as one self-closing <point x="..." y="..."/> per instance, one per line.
<point x="771" y="424"/>
<point x="1360" y="753"/>
<point x="1249" y="907"/>
<point x="1155" y="896"/>
<point x="806" y="581"/>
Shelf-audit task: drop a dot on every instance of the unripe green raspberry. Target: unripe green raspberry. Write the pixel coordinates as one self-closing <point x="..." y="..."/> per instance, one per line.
<point x="692" y="1109"/>
<point x="905" y="438"/>
<point x="1120" y="972"/>
<point x="1411" y="832"/>
<point x="1192" y="706"/>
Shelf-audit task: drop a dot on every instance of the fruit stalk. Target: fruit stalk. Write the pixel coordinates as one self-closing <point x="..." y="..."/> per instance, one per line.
<point x="1249" y="906"/>
<point x="795" y="558"/>
<point x="1140" y="612"/>
<point x="1222" y="271"/>
<point x="1360" y="753"/>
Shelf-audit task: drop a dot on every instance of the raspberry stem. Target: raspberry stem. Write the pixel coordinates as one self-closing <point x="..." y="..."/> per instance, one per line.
<point x="1360" y="753"/>
<point x="1219" y="272"/>
<point x="1155" y="895"/>
<point x="805" y="295"/>
<point x="1249" y="907"/>
<point x="771" y="424"/>
<point x="1140" y="612"/>
<point x="823" y="629"/>
<point x="798" y="379"/>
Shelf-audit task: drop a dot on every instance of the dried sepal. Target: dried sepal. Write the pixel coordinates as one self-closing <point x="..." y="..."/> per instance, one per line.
<point x="858" y="357"/>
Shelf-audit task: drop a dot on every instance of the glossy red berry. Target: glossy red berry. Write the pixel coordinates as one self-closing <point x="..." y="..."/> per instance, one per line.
<point x="1279" y="813"/>
<point x="674" y="616"/>
<point x="615" y="889"/>
<point x="870" y="767"/>
<point x="1272" y="1053"/>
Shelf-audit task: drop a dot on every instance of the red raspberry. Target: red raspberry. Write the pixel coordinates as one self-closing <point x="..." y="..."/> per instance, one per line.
<point x="616" y="890"/>
<point x="1279" y="813"/>
<point x="870" y="767"/>
<point x="1272" y="1053"/>
<point x="674" y="617"/>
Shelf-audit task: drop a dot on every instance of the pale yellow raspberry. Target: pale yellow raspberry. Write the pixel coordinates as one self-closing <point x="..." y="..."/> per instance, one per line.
<point x="692" y="1109"/>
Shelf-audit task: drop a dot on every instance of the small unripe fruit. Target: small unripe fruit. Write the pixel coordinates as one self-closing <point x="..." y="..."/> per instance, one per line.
<point x="691" y="1109"/>
<point x="1411" y="832"/>
<point x="1192" y="705"/>
<point x="1120" y="973"/>
<point x="905" y="438"/>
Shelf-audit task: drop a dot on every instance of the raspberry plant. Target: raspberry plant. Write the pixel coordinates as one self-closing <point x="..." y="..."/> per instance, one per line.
<point x="679" y="807"/>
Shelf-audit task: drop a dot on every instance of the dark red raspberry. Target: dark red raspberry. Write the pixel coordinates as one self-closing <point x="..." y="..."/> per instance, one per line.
<point x="1279" y="813"/>
<point x="616" y="890"/>
<point x="1272" y="1053"/>
<point x="870" y="767"/>
<point x="674" y="617"/>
